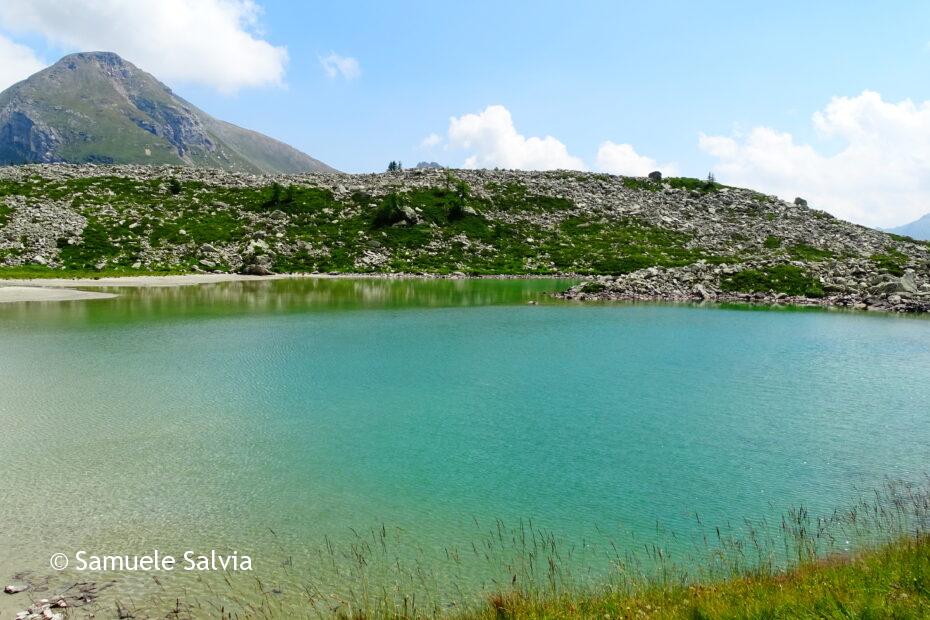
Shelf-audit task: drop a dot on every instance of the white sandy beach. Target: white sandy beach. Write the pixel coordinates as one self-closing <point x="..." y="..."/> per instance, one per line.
<point x="10" y="294"/>
<point x="139" y="281"/>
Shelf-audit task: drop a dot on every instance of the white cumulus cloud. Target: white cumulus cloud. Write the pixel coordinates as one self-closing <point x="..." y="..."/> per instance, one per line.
<point x="493" y="142"/>
<point x="623" y="159"/>
<point x="879" y="176"/>
<point x="210" y="42"/>
<point x="335" y="65"/>
<point x="17" y="62"/>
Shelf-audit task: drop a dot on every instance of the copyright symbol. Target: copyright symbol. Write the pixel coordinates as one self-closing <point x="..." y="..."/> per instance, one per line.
<point x="59" y="561"/>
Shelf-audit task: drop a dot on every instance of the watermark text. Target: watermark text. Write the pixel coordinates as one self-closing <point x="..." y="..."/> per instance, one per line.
<point x="156" y="561"/>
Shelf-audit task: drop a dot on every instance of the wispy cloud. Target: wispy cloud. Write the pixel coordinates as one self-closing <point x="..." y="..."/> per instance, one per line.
<point x="336" y="65"/>
<point x="430" y="141"/>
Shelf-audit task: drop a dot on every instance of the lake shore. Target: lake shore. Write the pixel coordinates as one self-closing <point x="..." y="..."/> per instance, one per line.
<point x="628" y="288"/>
<point x="63" y="289"/>
<point x="140" y="281"/>
<point x="591" y="289"/>
<point x="764" y="284"/>
<point x="13" y="294"/>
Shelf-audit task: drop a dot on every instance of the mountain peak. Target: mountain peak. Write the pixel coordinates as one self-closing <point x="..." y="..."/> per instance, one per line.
<point x="109" y="64"/>
<point x="111" y="58"/>
<point x="97" y="107"/>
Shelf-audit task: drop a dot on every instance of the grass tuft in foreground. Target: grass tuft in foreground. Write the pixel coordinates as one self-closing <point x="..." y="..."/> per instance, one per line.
<point x="832" y="571"/>
<point x="892" y="581"/>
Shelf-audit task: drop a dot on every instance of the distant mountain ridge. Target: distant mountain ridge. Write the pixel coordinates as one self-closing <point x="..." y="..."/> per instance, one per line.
<point x="95" y="107"/>
<point x="918" y="229"/>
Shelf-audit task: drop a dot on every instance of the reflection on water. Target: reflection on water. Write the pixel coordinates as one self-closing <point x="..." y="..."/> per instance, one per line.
<point x="285" y="295"/>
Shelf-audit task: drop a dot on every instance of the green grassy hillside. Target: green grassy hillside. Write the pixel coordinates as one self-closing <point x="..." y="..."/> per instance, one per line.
<point x="679" y="239"/>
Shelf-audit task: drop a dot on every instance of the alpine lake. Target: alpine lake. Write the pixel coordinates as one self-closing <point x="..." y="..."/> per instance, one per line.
<point x="423" y="443"/>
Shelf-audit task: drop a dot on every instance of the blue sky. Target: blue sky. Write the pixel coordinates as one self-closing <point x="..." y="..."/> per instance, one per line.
<point x="654" y="76"/>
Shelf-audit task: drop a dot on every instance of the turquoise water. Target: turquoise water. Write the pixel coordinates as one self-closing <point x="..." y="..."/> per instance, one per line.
<point x="292" y="419"/>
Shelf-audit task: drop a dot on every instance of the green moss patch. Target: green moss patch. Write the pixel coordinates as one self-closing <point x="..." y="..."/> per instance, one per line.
<point x="809" y="253"/>
<point x="891" y="261"/>
<point x="786" y="279"/>
<point x="703" y="186"/>
<point x="772" y="242"/>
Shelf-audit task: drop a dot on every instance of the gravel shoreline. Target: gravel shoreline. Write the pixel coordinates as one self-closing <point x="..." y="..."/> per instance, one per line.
<point x="846" y="284"/>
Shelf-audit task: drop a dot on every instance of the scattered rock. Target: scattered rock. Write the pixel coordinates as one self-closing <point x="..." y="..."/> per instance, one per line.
<point x="838" y="279"/>
<point x="908" y="283"/>
<point x="256" y="245"/>
<point x="410" y="215"/>
<point x="702" y="292"/>
<point x="259" y="266"/>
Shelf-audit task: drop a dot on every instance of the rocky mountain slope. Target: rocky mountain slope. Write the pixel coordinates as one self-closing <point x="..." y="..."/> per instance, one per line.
<point x="631" y="238"/>
<point x="96" y="107"/>
<point x="918" y="229"/>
